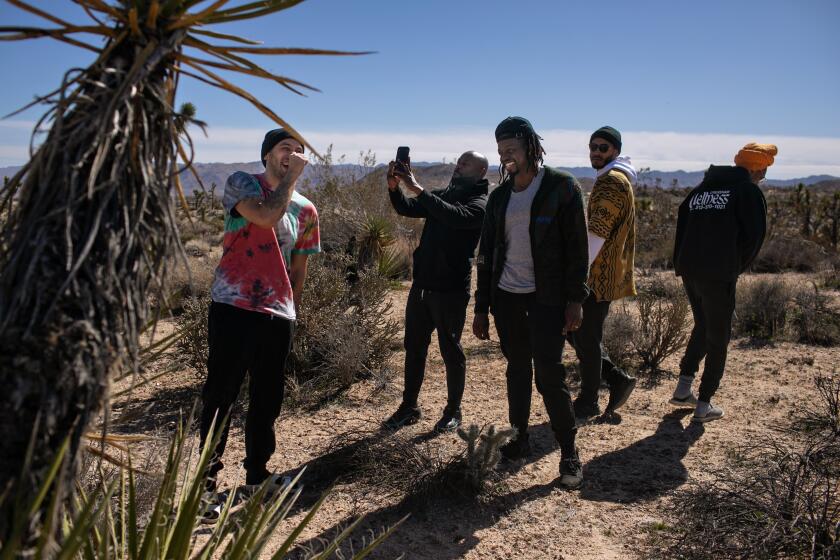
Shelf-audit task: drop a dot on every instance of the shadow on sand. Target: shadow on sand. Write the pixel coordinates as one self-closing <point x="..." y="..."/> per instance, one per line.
<point x="436" y="522"/>
<point x="645" y="469"/>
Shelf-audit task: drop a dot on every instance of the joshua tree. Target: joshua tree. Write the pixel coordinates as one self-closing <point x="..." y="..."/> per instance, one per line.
<point x="90" y="218"/>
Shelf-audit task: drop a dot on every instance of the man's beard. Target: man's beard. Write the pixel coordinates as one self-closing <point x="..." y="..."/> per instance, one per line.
<point x="602" y="164"/>
<point x="463" y="179"/>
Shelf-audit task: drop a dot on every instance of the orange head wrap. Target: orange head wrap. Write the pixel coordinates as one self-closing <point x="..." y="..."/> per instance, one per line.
<point x="756" y="156"/>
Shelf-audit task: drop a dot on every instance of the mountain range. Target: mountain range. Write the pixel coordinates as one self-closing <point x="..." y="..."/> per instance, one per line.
<point x="217" y="173"/>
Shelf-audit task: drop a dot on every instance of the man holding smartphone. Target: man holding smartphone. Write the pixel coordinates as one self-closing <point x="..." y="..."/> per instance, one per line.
<point x="252" y="314"/>
<point x="532" y="266"/>
<point x="440" y="289"/>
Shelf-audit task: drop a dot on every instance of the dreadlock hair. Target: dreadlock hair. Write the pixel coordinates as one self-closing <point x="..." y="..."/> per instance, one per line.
<point x="533" y="151"/>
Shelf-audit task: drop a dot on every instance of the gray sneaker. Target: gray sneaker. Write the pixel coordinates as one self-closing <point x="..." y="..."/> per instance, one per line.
<point x="686" y="402"/>
<point x="711" y="413"/>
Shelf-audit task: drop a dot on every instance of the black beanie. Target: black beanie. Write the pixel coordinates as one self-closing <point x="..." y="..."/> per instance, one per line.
<point x="514" y="127"/>
<point x="272" y="137"/>
<point x="609" y="134"/>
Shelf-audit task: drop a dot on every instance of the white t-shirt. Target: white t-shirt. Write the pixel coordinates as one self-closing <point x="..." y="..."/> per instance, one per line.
<point x="518" y="274"/>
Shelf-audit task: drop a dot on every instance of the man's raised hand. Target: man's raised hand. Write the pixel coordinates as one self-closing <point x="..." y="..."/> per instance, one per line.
<point x="296" y="164"/>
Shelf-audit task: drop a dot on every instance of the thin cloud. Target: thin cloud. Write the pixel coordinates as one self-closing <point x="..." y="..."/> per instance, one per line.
<point x="666" y="151"/>
<point x="799" y="156"/>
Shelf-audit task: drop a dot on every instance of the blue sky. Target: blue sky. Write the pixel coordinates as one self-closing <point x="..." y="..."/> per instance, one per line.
<point x="686" y="82"/>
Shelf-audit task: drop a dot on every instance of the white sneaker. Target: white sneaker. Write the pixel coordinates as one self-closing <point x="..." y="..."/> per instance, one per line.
<point x="712" y="413"/>
<point x="686" y="402"/>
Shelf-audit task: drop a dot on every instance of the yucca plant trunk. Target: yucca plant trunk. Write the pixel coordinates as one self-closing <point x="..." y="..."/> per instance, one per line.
<point x="83" y="245"/>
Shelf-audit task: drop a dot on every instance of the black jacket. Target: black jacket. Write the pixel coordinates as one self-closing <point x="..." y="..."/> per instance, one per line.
<point x="443" y="259"/>
<point x="721" y="226"/>
<point x="559" y="244"/>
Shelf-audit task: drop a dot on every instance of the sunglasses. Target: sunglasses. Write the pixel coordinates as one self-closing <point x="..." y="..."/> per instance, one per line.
<point x="603" y="148"/>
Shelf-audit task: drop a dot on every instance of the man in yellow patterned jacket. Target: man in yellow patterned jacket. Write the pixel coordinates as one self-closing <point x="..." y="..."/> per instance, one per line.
<point x="612" y="236"/>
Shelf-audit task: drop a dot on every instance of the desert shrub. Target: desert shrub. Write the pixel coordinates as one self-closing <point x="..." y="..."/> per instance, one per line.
<point x="192" y="279"/>
<point x="192" y="344"/>
<point x="822" y="419"/>
<point x="619" y="329"/>
<point x="773" y="501"/>
<point x="813" y="320"/>
<point x="783" y="252"/>
<point x="344" y="330"/>
<point x="656" y="221"/>
<point x="829" y="279"/>
<point x="662" y="325"/>
<point x="762" y="308"/>
<point x="777" y="503"/>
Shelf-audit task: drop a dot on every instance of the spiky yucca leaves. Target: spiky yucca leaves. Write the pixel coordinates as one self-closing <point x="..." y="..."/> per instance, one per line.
<point x="107" y="522"/>
<point x="90" y="222"/>
<point x="376" y="233"/>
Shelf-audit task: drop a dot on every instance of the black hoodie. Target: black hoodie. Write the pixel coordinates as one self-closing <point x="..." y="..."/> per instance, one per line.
<point x="721" y="226"/>
<point x="443" y="259"/>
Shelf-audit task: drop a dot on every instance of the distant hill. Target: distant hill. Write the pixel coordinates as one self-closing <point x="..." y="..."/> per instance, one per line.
<point x="437" y="174"/>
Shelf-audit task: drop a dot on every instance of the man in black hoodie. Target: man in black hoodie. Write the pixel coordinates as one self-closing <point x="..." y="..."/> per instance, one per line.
<point x="440" y="289"/>
<point x="720" y="229"/>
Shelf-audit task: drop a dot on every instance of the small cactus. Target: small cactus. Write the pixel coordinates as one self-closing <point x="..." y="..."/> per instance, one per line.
<point x="483" y="450"/>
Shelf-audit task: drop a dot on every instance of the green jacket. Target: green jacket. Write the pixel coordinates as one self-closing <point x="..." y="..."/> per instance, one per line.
<point x="558" y="242"/>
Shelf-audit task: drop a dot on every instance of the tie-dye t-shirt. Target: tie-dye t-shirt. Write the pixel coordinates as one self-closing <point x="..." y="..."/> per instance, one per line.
<point x="252" y="273"/>
<point x="297" y="231"/>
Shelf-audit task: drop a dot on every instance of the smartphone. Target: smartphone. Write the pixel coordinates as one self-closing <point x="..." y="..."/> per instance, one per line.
<point x="402" y="159"/>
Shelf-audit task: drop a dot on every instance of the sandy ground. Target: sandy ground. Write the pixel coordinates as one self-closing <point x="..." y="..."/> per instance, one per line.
<point x="632" y="469"/>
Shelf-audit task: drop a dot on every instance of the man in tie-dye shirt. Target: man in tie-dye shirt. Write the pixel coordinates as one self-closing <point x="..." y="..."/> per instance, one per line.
<point x="253" y="309"/>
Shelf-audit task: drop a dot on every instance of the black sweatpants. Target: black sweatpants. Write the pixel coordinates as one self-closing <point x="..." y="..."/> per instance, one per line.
<point x="712" y="304"/>
<point x="427" y="311"/>
<point x="530" y="332"/>
<point x="243" y="342"/>
<point x="588" y="344"/>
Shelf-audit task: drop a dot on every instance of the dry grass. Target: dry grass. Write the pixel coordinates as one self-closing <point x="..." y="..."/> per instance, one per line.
<point x="775" y="500"/>
<point x="662" y="326"/>
<point x="772" y="308"/>
<point x="344" y="331"/>
<point x="388" y="465"/>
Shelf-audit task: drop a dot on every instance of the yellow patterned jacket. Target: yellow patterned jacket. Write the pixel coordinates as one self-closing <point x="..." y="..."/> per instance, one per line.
<point x="612" y="216"/>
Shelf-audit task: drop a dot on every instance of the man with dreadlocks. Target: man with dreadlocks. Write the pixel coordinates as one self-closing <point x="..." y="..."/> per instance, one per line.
<point x="532" y="268"/>
<point x="252" y="315"/>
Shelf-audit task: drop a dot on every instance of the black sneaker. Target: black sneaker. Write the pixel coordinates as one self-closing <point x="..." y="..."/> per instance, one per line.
<point x="620" y="392"/>
<point x="571" y="472"/>
<point x="585" y="410"/>
<point x="449" y="422"/>
<point x="404" y="416"/>
<point x="516" y="449"/>
<point x="211" y="506"/>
